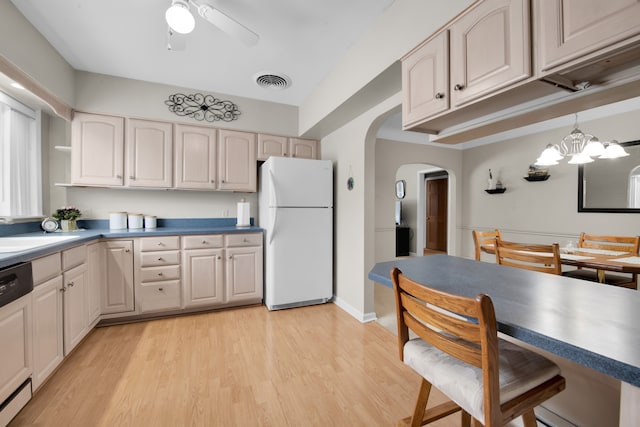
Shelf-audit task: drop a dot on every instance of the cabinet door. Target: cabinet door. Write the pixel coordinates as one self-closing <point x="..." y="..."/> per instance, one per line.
<point x="425" y="80"/>
<point x="95" y="256"/>
<point x="15" y="336"/>
<point x="490" y="49"/>
<point x="48" y="350"/>
<point x="303" y="148"/>
<point x="237" y="164"/>
<point x="117" y="290"/>
<point x="570" y="29"/>
<point x="244" y="274"/>
<point x="203" y="277"/>
<point x="75" y="315"/>
<point x="270" y="145"/>
<point x="149" y="153"/>
<point x="196" y="157"/>
<point x="97" y="150"/>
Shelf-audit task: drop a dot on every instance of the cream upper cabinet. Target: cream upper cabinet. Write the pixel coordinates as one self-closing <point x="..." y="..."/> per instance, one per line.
<point x="271" y="145"/>
<point x="281" y="146"/>
<point x="570" y="29"/>
<point x="237" y="166"/>
<point x="196" y="157"/>
<point x="425" y="80"/>
<point x="97" y="143"/>
<point x="149" y="154"/>
<point x="303" y="148"/>
<point x="490" y="49"/>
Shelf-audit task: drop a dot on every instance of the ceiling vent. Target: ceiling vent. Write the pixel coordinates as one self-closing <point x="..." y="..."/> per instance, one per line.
<point x="273" y="81"/>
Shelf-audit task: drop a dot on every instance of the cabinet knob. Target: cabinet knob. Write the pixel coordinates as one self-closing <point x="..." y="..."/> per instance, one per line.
<point x="230" y="256"/>
<point x="222" y="181"/>
<point x="219" y="257"/>
<point x="160" y="289"/>
<point x="204" y="242"/>
<point x="293" y="155"/>
<point x="458" y="87"/>
<point x="161" y="274"/>
<point x="127" y="250"/>
<point x="213" y="181"/>
<point x="439" y="95"/>
<point x="63" y="289"/>
<point x="160" y="244"/>
<point x="160" y="259"/>
<point x="70" y="284"/>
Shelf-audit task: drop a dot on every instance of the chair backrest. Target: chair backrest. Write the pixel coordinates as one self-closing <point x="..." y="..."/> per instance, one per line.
<point x="484" y="238"/>
<point x="544" y="258"/>
<point x="610" y="243"/>
<point x="464" y="328"/>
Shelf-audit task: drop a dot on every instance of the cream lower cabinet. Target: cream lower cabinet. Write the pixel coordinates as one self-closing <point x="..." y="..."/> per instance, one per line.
<point x="16" y="339"/>
<point x="95" y="268"/>
<point x="117" y="278"/>
<point x="158" y="274"/>
<point x="243" y="274"/>
<point x="75" y="316"/>
<point x="48" y="329"/>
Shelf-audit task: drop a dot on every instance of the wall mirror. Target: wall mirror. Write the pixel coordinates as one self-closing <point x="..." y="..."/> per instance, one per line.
<point x="611" y="185"/>
<point x="400" y="188"/>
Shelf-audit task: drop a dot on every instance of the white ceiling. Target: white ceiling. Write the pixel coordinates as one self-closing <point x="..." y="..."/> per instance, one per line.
<point x="303" y="39"/>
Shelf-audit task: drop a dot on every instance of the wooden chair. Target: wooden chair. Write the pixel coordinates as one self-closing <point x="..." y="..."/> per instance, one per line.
<point x="484" y="238"/>
<point x="544" y="258"/>
<point x="610" y="243"/>
<point x="458" y="352"/>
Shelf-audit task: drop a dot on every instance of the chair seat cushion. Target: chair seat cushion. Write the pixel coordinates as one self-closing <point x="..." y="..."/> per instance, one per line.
<point x="520" y="371"/>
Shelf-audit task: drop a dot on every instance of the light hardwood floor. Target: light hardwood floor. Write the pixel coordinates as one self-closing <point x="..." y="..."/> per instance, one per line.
<point x="310" y="366"/>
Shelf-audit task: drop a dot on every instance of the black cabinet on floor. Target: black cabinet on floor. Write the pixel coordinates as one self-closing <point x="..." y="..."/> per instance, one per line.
<point x="402" y="241"/>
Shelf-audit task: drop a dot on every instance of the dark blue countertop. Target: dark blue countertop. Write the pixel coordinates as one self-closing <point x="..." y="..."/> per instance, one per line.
<point x="98" y="229"/>
<point x="595" y="325"/>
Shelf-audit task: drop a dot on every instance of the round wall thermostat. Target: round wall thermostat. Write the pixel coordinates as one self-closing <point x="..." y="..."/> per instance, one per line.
<point x="49" y="225"/>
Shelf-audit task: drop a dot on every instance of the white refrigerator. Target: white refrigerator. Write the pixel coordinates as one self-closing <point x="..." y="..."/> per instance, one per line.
<point x="296" y="210"/>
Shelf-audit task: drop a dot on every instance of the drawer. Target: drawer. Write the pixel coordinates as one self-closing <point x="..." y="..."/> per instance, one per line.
<point x="151" y="259"/>
<point x="74" y="256"/>
<point x="159" y="296"/>
<point x="163" y="243"/>
<point x="253" y="239"/>
<point x="202" y="242"/>
<point x="46" y="267"/>
<point x="154" y="274"/>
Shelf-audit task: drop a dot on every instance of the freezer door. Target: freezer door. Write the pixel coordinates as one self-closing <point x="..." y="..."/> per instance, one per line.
<point x="299" y="257"/>
<point x="299" y="182"/>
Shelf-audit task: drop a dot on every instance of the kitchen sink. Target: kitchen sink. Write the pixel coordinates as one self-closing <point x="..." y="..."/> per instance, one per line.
<point x="17" y="244"/>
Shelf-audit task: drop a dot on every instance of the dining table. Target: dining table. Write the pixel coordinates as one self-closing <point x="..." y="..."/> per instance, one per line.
<point x="584" y="322"/>
<point x="601" y="260"/>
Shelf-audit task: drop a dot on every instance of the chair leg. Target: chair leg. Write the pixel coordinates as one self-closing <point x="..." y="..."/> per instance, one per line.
<point x="421" y="403"/>
<point x="529" y="419"/>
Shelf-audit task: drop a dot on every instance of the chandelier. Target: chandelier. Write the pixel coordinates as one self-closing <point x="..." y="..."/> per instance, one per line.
<point x="581" y="148"/>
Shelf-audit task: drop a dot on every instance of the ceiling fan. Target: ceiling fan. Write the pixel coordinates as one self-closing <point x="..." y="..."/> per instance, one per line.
<point x="181" y="20"/>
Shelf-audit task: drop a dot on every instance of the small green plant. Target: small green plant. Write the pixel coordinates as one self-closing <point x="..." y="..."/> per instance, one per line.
<point x="67" y="212"/>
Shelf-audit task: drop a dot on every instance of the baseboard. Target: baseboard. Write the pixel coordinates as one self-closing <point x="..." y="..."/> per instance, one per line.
<point x="362" y="317"/>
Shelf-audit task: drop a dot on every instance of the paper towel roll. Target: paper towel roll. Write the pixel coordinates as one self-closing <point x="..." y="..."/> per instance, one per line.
<point x="243" y="214"/>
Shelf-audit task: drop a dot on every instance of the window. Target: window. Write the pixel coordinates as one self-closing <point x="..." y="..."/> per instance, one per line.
<point x="20" y="160"/>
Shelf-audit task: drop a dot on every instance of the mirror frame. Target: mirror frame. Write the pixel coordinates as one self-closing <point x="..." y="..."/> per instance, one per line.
<point x="400" y="189"/>
<point x="581" y="207"/>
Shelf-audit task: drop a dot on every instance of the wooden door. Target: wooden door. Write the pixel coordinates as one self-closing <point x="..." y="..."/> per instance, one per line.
<point x="237" y="165"/>
<point x="437" y="214"/>
<point x="490" y="49"/>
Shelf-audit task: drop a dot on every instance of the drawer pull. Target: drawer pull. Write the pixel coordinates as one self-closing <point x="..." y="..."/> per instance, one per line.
<point x="245" y="240"/>
<point x="160" y="259"/>
<point x="160" y="289"/>
<point x="161" y="274"/>
<point x="160" y="244"/>
<point x="204" y="242"/>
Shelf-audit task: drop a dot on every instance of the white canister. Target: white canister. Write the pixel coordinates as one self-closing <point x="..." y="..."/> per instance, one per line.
<point x="150" y="221"/>
<point x="117" y="220"/>
<point x="243" y="219"/>
<point x="135" y="220"/>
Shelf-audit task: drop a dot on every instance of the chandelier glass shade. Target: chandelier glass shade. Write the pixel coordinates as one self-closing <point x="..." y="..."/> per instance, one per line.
<point x="580" y="148"/>
<point x="179" y="17"/>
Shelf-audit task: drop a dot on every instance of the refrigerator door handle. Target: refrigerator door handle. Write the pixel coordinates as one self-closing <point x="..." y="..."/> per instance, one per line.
<point x="274" y="215"/>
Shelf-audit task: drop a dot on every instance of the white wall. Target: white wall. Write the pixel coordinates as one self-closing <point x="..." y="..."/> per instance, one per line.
<point x="538" y="211"/>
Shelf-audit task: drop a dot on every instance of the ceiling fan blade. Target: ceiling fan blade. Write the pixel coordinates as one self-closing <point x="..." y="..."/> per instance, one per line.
<point x="228" y="24"/>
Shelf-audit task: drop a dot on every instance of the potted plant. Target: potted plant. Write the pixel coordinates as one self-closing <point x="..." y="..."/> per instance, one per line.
<point x="67" y="216"/>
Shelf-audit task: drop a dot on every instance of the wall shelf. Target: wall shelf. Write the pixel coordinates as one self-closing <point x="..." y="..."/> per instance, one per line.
<point x="535" y="178"/>
<point x="496" y="191"/>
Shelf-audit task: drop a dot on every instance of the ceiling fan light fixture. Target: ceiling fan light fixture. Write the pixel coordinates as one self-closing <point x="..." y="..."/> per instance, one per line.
<point x="179" y="17"/>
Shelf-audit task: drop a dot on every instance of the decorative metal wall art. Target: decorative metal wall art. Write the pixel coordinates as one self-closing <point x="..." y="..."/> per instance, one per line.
<point x="202" y="107"/>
